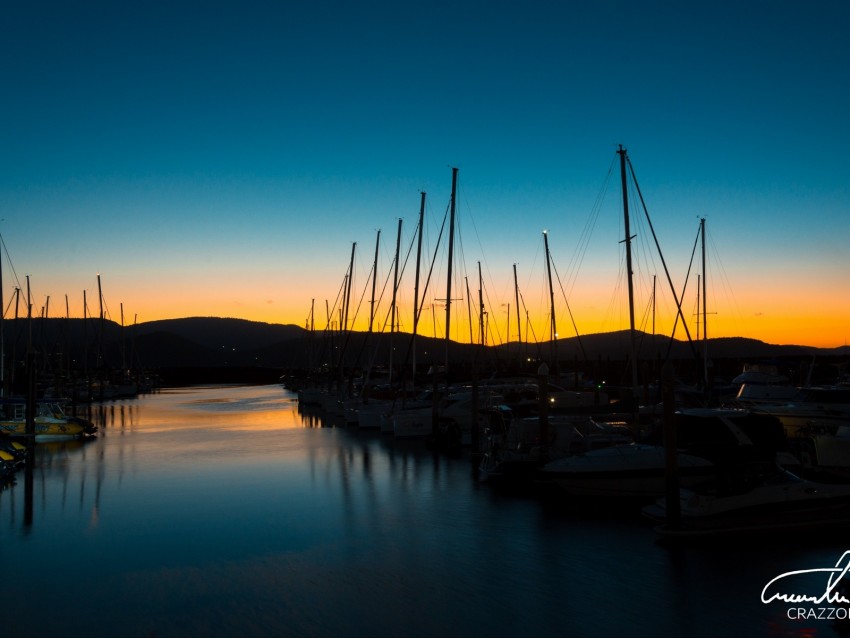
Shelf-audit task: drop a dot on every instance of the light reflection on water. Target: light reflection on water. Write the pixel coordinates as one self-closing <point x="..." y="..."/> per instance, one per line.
<point x="224" y="511"/>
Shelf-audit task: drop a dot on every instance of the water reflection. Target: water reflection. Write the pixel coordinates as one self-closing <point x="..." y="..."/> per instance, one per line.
<point x="222" y="511"/>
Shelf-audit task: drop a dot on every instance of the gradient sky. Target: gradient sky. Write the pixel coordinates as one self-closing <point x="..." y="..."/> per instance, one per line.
<point x="221" y="158"/>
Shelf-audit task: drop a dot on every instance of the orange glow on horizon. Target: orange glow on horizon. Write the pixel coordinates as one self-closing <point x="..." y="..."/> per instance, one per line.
<point x="816" y="317"/>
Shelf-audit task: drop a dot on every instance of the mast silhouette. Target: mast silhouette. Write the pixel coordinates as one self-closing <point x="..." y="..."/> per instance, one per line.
<point x="416" y="306"/>
<point x="516" y="295"/>
<point x="451" y="257"/>
<point x="374" y="281"/>
<point x="393" y="310"/>
<point x="553" y="330"/>
<point x="629" y="275"/>
<point x="704" y="307"/>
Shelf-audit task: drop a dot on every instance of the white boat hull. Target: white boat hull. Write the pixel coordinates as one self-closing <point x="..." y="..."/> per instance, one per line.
<point x="627" y="471"/>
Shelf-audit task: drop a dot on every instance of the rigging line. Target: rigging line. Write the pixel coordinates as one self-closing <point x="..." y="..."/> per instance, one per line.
<point x="384" y="290"/>
<point x="390" y="274"/>
<point x="724" y="277"/>
<point x="570" y="312"/>
<point x="367" y="280"/>
<point x="641" y="252"/>
<point x="8" y="308"/>
<point x="433" y="263"/>
<point x="684" y="290"/>
<point x="583" y="243"/>
<point x="478" y="238"/>
<point x="333" y="308"/>
<point x="387" y="317"/>
<point x="384" y="325"/>
<point x="471" y="218"/>
<point x="661" y="255"/>
<point x="495" y="321"/>
<point x="349" y="331"/>
<point x="534" y="261"/>
<point x="400" y="274"/>
<point x="362" y="297"/>
<point x="9" y="260"/>
<point x="647" y="314"/>
<point x="614" y="309"/>
<point x="531" y="327"/>
<point x="421" y="304"/>
<point x="490" y="304"/>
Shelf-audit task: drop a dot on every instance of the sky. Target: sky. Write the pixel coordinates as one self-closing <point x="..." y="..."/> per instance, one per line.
<point x="226" y="158"/>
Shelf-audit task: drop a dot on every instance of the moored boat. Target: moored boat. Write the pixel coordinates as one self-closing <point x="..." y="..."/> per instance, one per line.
<point x="516" y="450"/>
<point x="776" y="501"/>
<point x="709" y="441"/>
<point x="50" y="422"/>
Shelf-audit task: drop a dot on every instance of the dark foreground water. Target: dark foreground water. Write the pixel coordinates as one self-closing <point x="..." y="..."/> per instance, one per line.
<point x="224" y="511"/>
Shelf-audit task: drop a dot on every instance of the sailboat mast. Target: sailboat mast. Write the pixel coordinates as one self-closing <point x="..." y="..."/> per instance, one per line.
<point x="704" y="304"/>
<point x="451" y="257"/>
<point x="348" y="289"/>
<point x="469" y="310"/>
<point x="418" y="266"/>
<point x="699" y="295"/>
<point x="30" y="407"/>
<point x="310" y="339"/>
<point x="553" y="330"/>
<point x="508" y="326"/>
<point x="481" y="312"/>
<point x="374" y="281"/>
<point x="100" y="339"/>
<point x="416" y="309"/>
<point x="516" y="295"/>
<point x="629" y="271"/>
<point x="123" y="347"/>
<point x="393" y="310"/>
<point x="85" y="339"/>
<point x="67" y="334"/>
<point x="653" y="305"/>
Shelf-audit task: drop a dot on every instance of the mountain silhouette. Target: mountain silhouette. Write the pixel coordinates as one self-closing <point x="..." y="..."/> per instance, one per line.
<point x="196" y="343"/>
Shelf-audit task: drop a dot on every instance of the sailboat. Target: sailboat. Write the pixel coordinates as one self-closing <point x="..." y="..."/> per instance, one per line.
<point x="38" y="419"/>
<point x="421" y="422"/>
<point x="449" y="419"/>
<point x="639" y="468"/>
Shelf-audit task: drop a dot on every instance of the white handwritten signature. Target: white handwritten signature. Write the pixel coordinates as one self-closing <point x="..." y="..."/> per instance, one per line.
<point x="828" y="596"/>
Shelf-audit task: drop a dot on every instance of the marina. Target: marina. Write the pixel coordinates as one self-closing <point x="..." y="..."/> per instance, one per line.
<point x="231" y="510"/>
<point x="369" y="320"/>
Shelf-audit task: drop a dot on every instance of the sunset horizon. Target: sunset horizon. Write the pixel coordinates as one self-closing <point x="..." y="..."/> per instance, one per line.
<point x="225" y="161"/>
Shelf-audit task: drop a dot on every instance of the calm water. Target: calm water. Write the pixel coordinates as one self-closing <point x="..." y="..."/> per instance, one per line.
<point x="224" y="511"/>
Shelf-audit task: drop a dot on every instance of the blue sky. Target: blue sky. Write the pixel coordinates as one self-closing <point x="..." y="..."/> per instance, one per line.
<point x="220" y="158"/>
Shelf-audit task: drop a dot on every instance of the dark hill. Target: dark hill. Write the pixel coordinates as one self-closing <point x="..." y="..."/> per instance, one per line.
<point x="214" y="332"/>
<point x="210" y="342"/>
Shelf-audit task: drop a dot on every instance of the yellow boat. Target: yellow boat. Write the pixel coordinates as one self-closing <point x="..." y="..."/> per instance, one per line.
<point x="51" y="422"/>
<point x="12" y="455"/>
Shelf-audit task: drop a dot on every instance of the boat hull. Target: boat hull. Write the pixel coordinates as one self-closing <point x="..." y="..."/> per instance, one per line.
<point x="783" y="503"/>
<point x="629" y="471"/>
<point x="44" y="430"/>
